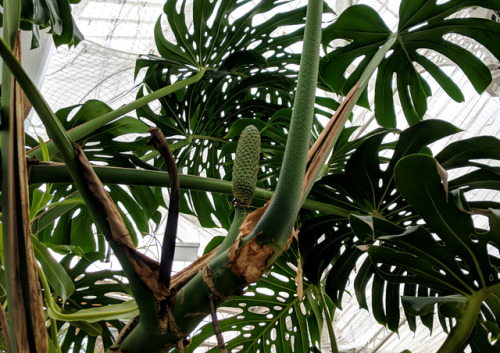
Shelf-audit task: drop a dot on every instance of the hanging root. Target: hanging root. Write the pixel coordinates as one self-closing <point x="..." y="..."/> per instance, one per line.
<point x="167" y="251"/>
<point x="215" y="323"/>
<point x="180" y="346"/>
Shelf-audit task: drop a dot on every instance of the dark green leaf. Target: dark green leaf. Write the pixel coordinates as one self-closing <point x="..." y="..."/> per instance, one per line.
<point x="423" y="25"/>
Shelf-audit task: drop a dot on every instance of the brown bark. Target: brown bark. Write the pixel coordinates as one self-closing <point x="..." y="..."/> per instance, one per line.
<point x="26" y="303"/>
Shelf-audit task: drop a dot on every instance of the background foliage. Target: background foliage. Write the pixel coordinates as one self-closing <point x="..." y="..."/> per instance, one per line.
<point x="409" y="229"/>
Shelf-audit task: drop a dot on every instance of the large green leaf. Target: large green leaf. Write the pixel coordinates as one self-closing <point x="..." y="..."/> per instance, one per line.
<point x="423" y="25"/>
<point x="366" y="186"/>
<point x="270" y="315"/>
<point x="372" y="193"/>
<point x="450" y="255"/>
<point x="456" y="244"/>
<point x="218" y="41"/>
<point x="71" y="224"/>
<point x="118" y="143"/>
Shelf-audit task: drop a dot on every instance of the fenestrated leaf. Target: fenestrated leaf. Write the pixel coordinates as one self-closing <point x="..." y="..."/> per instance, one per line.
<point x="94" y="289"/>
<point x="478" y="179"/>
<point x="250" y="75"/>
<point x="216" y="41"/>
<point x="452" y="226"/>
<point x="423" y="25"/>
<point x="270" y="316"/>
<point x="367" y="187"/>
<point x="197" y="131"/>
<point x="123" y="311"/>
<point x="112" y="143"/>
<point x="469" y="152"/>
<point x="451" y="257"/>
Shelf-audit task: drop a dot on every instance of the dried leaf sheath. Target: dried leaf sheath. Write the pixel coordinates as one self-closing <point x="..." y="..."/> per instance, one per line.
<point x="324" y="144"/>
<point x="27" y="308"/>
<point x="146" y="268"/>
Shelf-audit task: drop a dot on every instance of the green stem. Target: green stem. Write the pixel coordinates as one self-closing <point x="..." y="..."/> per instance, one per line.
<point x="238" y="218"/>
<point x="83" y="130"/>
<point x="43" y="173"/>
<point x="460" y="333"/>
<point x="374" y="63"/>
<point x="286" y="202"/>
<point x="329" y="322"/>
<point x="55" y="338"/>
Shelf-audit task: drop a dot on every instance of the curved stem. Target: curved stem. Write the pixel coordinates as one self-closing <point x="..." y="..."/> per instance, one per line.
<point x="83" y="130"/>
<point x="55" y="339"/>
<point x="168" y="245"/>
<point x="238" y="218"/>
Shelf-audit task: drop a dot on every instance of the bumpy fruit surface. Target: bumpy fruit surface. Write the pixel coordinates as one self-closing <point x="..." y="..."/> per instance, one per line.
<point x="246" y="165"/>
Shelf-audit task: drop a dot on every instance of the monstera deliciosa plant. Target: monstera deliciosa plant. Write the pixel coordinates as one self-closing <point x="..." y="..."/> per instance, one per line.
<point x="317" y="203"/>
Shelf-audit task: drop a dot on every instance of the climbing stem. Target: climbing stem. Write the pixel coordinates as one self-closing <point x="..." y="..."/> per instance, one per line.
<point x="286" y="202"/>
